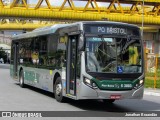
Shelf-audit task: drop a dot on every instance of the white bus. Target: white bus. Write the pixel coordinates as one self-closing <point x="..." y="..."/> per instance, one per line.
<point x="83" y="60"/>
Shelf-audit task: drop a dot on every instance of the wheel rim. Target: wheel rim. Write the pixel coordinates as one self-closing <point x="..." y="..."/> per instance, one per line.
<point x="58" y="89"/>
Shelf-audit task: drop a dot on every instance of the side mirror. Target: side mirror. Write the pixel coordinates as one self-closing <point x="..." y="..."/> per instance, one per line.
<point x="81" y="42"/>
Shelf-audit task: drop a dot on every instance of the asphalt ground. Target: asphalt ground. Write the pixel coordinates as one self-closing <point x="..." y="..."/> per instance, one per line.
<point x="15" y="98"/>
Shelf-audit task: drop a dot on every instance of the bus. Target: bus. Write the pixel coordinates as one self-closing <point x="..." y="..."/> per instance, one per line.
<point x="100" y="60"/>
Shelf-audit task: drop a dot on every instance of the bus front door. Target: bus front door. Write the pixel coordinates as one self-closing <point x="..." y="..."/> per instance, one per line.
<point x="71" y="64"/>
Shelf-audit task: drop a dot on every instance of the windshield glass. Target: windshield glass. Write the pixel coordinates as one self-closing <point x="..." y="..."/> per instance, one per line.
<point x="113" y="55"/>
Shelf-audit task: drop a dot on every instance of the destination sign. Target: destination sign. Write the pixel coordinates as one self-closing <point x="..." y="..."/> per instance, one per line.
<point x="108" y="30"/>
<point x="112" y="30"/>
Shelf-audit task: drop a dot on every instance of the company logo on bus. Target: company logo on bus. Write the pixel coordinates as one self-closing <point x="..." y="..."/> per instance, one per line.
<point x="117" y="86"/>
<point x="111" y="85"/>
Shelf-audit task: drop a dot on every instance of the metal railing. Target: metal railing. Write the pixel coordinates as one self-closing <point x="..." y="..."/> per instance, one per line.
<point x="152" y="69"/>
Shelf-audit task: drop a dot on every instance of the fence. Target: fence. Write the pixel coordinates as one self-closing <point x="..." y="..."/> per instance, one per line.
<point x="152" y="69"/>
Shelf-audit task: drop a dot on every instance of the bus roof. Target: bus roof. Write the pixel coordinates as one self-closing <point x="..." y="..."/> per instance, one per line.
<point x="54" y="28"/>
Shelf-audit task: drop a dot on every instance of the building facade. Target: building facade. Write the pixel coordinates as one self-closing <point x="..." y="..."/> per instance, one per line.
<point x="5" y="39"/>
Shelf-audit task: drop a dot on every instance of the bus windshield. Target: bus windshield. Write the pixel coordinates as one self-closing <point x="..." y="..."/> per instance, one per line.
<point x="113" y="55"/>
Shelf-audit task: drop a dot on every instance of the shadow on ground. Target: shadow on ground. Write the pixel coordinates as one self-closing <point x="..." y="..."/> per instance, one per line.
<point x="127" y="105"/>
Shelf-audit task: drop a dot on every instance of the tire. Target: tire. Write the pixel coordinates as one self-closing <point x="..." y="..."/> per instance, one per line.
<point x="108" y="101"/>
<point x="21" y="79"/>
<point x="58" y="90"/>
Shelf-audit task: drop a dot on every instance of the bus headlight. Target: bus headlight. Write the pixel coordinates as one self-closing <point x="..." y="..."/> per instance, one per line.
<point x="87" y="81"/>
<point x="90" y="83"/>
<point x="141" y="82"/>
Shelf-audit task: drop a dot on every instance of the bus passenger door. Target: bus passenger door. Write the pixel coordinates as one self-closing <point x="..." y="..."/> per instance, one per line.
<point x="15" y="60"/>
<point x="71" y="64"/>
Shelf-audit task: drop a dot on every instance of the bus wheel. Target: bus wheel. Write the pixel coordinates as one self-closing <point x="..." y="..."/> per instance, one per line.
<point x="58" y="90"/>
<point x="21" y="79"/>
<point x="108" y="101"/>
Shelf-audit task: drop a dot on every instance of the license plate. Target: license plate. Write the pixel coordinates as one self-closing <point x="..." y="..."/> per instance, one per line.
<point x="115" y="97"/>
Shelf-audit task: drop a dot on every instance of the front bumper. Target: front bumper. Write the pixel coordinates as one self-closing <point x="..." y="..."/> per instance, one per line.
<point x="89" y="93"/>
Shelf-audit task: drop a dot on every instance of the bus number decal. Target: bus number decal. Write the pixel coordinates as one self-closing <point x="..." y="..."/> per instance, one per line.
<point x="127" y="85"/>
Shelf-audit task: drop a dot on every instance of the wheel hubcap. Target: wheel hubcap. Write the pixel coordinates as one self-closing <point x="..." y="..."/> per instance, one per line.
<point x="58" y="89"/>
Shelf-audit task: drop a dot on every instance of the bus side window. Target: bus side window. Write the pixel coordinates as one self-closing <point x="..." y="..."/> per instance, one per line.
<point x="62" y="50"/>
<point x="52" y="51"/>
<point x="43" y="51"/>
<point x="35" y="47"/>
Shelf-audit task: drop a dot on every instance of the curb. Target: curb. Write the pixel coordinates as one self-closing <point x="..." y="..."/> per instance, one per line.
<point x="153" y="92"/>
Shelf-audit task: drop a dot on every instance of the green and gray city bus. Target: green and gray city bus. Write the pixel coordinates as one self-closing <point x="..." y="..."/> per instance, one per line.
<point x="83" y="60"/>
